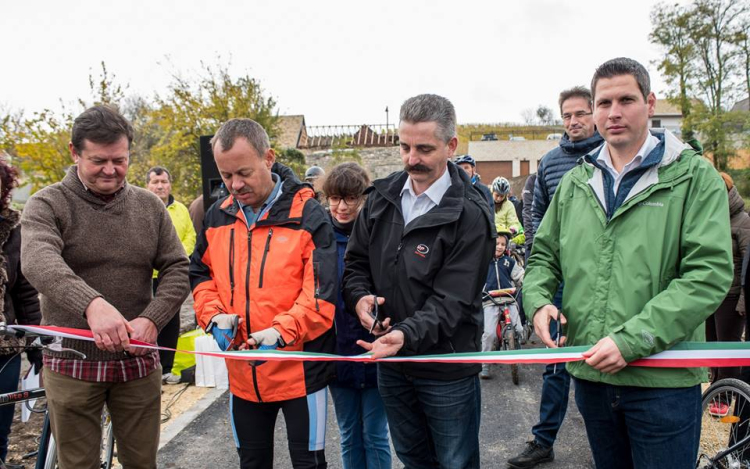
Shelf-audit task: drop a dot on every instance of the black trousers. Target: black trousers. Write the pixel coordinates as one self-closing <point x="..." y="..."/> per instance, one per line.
<point x="168" y="338"/>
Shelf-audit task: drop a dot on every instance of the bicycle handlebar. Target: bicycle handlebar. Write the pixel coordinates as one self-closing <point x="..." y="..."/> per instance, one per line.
<point x="41" y="342"/>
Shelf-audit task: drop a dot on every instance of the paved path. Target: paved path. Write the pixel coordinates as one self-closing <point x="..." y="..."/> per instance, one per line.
<point x="508" y="413"/>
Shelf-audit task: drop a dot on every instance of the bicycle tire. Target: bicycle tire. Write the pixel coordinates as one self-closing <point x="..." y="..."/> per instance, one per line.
<point x="108" y="442"/>
<point x="513" y="345"/>
<point x="50" y="461"/>
<point x="720" y="432"/>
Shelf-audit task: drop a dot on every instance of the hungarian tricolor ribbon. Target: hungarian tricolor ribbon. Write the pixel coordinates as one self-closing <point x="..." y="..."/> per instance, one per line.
<point x="681" y="355"/>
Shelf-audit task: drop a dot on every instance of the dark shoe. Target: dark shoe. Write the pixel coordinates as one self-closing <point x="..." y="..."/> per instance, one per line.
<point x="533" y="454"/>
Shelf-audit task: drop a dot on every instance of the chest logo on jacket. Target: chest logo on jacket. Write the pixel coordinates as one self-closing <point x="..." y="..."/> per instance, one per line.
<point x="422" y="250"/>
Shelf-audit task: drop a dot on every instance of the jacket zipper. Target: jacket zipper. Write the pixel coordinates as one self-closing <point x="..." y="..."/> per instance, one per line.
<point x="317" y="285"/>
<point x="265" y="253"/>
<point x="247" y="306"/>
<point x="398" y="250"/>
<point x="231" y="266"/>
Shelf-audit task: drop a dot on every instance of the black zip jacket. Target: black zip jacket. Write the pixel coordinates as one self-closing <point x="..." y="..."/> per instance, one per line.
<point x="430" y="272"/>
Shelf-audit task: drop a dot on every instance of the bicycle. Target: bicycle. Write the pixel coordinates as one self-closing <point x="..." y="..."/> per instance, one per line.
<point x="507" y="330"/>
<point x="46" y="453"/>
<point x="725" y="426"/>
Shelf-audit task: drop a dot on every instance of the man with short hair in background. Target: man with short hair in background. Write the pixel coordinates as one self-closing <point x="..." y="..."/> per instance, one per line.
<point x="421" y="247"/>
<point x="90" y="245"/>
<point x="467" y="163"/>
<point x="580" y="138"/>
<point x="159" y="181"/>
<point x="627" y="231"/>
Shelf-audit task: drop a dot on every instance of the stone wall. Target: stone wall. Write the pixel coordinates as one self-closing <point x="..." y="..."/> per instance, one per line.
<point x="379" y="162"/>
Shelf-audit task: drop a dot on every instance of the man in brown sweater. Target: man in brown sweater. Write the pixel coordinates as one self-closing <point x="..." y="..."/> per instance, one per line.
<point x="90" y="244"/>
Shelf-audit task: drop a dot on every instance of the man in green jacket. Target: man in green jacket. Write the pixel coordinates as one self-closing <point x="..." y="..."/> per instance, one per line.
<point x="639" y="233"/>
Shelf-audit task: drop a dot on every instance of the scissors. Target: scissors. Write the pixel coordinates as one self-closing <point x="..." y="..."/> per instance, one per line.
<point x="374" y="315"/>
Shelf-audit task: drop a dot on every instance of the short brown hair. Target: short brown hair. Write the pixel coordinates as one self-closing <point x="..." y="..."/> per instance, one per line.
<point x="346" y="179"/>
<point x="101" y="124"/>
<point x="575" y="92"/>
<point x="9" y="178"/>
<point x="158" y="170"/>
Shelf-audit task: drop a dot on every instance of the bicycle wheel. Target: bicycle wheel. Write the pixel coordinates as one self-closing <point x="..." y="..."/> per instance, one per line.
<point x="50" y="461"/>
<point x="510" y="339"/>
<point x="108" y="441"/>
<point x="725" y="426"/>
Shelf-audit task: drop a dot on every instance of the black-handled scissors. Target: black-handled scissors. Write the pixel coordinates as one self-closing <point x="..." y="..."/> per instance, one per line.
<point x="374" y="315"/>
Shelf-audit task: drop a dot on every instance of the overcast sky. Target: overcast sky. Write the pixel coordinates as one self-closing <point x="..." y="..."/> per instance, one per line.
<point x="336" y="62"/>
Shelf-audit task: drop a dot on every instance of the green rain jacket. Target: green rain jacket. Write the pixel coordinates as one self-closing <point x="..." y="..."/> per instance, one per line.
<point x="649" y="274"/>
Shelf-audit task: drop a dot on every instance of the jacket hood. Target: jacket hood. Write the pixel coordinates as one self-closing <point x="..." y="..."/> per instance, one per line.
<point x="581" y="146"/>
<point x="736" y="204"/>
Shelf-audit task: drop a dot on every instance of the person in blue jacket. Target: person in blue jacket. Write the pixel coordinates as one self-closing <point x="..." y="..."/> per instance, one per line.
<point x="359" y="408"/>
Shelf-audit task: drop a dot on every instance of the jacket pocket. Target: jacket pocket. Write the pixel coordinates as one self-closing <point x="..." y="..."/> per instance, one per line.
<point x="265" y="255"/>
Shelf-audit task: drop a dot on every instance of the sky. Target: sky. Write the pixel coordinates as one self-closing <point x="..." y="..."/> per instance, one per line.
<point x="335" y="62"/>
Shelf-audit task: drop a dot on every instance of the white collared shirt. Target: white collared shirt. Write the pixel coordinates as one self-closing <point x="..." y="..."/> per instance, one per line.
<point x="605" y="159"/>
<point x="413" y="205"/>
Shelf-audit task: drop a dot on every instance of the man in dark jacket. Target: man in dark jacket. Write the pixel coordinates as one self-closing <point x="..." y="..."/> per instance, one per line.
<point x="580" y="138"/>
<point x="421" y="245"/>
<point x="527" y="197"/>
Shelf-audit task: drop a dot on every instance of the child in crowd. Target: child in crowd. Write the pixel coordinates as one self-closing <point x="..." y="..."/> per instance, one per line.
<point x="359" y="409"/>
<point x="504" y="272"/>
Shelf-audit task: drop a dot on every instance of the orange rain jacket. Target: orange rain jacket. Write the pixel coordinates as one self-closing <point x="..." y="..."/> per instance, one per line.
<point x="280" y="272"/>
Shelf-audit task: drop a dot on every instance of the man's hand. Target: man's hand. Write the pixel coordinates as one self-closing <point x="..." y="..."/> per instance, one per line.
<point x="364" y="309"/>
<point x="223" y="328"/>
<point x="605" y="357"/>
<point x="268" y="337"/>
<point x="109" y="327"/>
<point x="386" y="346"/>
<point x="145" y="331"/>
<point x="542" y="319"/>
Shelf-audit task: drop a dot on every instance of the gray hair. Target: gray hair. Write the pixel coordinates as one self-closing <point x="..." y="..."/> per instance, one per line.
<point x="248" y="129"/>
<point x="623" y="66"/>
<point x="431" y="108"/>
<point x="575" y="92"/>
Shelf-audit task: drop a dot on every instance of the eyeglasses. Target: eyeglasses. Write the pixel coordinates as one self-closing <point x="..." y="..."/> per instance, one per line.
<point x="349" y="200"/>
<point x="579" y="115"/>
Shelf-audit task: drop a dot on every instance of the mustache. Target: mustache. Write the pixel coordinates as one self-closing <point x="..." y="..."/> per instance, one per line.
<point x="244" y="191"/>
<point x="417" y="168"/>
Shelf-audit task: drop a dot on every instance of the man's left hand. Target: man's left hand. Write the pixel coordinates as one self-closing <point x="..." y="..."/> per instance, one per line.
<point x="386" y="346"/>
<point x="144" y="330"/>
<point x="605" y="357"/>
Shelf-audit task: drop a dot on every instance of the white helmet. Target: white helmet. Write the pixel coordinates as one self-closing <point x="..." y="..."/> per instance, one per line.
<point x="500" y="186"/>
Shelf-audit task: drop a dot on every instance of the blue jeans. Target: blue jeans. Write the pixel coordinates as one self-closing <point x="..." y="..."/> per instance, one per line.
<point x="363" y="427"/>
<point x="8" y="383"/>
<point x="433" y="423"/>
<point x="553" y="403"/>
<point x="643" y="428"/>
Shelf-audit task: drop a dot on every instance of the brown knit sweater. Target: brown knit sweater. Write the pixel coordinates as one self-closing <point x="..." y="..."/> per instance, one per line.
<point x="76" y="247"/>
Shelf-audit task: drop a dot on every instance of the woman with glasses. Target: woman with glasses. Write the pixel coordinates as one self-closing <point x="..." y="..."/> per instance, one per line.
<point x="359" y="408"/>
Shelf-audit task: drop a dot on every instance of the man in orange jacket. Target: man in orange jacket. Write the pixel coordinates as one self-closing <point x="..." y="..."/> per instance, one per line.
<point x="263" y="274"/>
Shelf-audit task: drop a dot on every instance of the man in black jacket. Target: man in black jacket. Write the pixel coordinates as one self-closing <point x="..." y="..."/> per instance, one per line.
<point x="421" y="246"/>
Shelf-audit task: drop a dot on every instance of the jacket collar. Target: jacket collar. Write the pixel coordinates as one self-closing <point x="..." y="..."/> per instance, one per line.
<point x="286" y="208"/>
<point x="581" y="146"/>
<point x="450" y="207"/>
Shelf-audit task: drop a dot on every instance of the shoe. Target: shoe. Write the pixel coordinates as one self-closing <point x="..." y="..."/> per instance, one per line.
<point x="485" y="373"/>
<point x="531" y="456"/>
<point x="718" y="409"/>
<point x="169" y="378"/>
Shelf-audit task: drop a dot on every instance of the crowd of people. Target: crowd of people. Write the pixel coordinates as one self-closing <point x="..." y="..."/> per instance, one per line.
<point x="626" y="241"/>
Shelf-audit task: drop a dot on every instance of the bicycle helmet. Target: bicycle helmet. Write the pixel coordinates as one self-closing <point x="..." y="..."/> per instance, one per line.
<point x="313" y="173"/>
<point x="500" y="186"/>
<point x="466" y="159"/>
